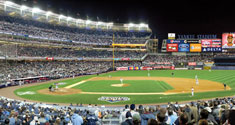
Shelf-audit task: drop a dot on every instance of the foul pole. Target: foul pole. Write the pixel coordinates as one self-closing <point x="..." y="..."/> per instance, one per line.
<point x="113" y="51"/>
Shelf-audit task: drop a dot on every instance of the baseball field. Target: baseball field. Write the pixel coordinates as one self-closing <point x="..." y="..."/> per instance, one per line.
<point x="136" y="87"/>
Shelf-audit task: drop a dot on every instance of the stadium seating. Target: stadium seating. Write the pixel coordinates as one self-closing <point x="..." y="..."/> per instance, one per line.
<point x="39" y="30"/>
<point x="212" y="112"/>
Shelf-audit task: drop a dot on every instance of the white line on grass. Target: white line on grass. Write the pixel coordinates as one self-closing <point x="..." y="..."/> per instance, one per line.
<point x="78" y="83"/>
<point x="108" y="93"/>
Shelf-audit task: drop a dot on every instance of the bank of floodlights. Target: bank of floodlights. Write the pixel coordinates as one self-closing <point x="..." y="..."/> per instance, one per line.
<point x="36" y="10"/>
<point x="88" y="21"/>
<point x="143" y="25"/>
<point x="23" y="7"/>
<point x="48" y="13"/>
<point x="8" y="3"/>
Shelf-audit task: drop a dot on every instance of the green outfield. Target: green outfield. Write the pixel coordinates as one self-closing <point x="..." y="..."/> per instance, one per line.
<point x="134" y="86"/>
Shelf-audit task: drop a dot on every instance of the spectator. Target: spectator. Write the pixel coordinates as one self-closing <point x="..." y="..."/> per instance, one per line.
<point x="129" y="120"/>
<point x="146" y="116"/>
<point x="76" y="119"/>
<point x="183" y="119"/>
<point x="122" y="117"/>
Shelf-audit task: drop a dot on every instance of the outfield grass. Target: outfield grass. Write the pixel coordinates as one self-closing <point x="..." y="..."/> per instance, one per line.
<point x="222" y="76"/>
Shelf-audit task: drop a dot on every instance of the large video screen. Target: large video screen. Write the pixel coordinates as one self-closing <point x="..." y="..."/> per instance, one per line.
<point x="228" y="40"/>
<point x="211" y="45"/>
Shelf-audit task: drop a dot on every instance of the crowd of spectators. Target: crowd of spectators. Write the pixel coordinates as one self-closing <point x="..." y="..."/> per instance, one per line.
<point x="14" y="50"/>
<point x="179" y="59"/>
<point x="219" y="111"/>
<point x="61" y="69"/>
<point x="42" y="30"/>
<point x="68" y="52"/>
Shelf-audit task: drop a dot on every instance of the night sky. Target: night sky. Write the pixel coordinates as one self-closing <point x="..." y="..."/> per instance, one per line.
<point x="180" y="17"/>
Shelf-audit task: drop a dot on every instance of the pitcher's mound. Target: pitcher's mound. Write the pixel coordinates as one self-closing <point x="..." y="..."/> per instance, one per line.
<point x="120" y="85"/>
<point x="60" y="91"/>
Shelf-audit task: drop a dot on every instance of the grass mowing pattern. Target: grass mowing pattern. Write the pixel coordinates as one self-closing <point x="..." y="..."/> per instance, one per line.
<point x="223" y="76"/>
<point x="135" y="86"/>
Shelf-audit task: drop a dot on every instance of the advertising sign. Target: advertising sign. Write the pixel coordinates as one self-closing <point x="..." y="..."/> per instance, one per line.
<point x="195" y="47"/>
<point x="212" y="49"/>
<point x="211" y="45"/>
<point x="122" y="68"/>
<point x="192" y="63"/>
<point x="175" y="41"/>
<point x="172" y="47"/>
<point x="193" y="41"/>
<point x="125" y="59"/>
<point x="183" y="47"/>
<point x="228" y="40"/>
<point x="171" y="35"/>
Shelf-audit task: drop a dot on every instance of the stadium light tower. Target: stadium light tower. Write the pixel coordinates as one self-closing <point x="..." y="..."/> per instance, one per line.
<point x="109" y="25"/>
<point x="48" y="14"/>
<point x="88" y="22"/>
<point x="22" y="8"/>
<point x="61" y="16"/>
<point x="7" y="3"/>
<point x="130" y="25"/>
<point x="78" y="21"/>
<point x="68" y="18"/>
<point x="35" y="10"/>
<point x="142" y="25"/>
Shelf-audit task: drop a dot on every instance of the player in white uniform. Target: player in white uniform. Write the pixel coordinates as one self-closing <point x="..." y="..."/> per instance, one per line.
<point x="197" y="82"/>
<point x="121" y="81"/>
<point x="192" y="91"/>
<point x="56" y="86"/>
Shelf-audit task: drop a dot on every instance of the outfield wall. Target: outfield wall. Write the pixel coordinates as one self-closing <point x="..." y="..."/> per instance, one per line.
<point x="223" y="67"/>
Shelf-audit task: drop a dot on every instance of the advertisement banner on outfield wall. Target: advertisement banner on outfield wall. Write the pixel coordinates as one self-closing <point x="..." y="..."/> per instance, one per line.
<point x="183" y="47"/>
<point x="228" y="40"/>
<point x="122" y="68"/>
<point x="125" y="59"/>
<point x="195" y="47"/>
<point x="192" y="63"/>
<point x="146" y="68"/>
<point x="172" y="47"/>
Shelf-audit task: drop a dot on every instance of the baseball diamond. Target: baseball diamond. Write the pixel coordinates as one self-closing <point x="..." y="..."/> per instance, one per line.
<point x="160" y="87"/>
